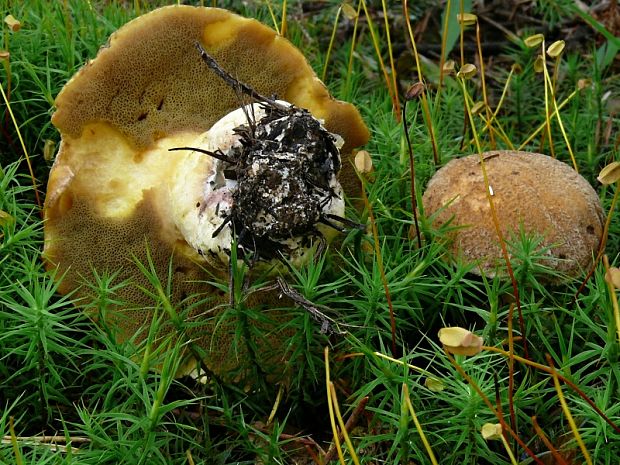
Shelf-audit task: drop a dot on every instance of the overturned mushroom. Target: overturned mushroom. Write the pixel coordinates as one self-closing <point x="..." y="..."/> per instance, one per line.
<point x="117" y="194"/>
<point x="538" y="193"/>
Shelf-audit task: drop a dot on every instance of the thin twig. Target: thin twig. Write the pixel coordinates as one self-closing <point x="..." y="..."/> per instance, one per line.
<point x="543" y="437"/>
<point x="328" y="325"/>
<point x="50" y="439"/>
<point x="235" y="83"/>
<point x="414" y="206"/>
<point x="567" y="412"/>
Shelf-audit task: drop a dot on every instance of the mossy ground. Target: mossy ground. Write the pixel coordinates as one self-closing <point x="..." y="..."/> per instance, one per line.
<point x="62" y="375"/>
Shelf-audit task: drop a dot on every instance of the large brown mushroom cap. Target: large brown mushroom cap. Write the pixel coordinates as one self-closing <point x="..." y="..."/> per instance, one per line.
<point x="146" y="91"/>
<point x="541" y="194"/>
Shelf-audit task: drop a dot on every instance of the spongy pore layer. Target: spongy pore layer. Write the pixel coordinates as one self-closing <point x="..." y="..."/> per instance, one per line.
<point x="108" y="206"/>
<point x="149" y="81"/>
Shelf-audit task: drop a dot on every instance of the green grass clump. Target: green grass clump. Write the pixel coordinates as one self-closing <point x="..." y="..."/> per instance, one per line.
<point x="70" y="392"/>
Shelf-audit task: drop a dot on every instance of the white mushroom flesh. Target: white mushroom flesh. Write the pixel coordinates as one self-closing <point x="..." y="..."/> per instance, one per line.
<point x="201" y="197"/>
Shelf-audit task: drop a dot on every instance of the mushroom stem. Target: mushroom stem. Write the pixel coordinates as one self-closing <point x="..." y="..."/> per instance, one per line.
<point x="262" y="178"/>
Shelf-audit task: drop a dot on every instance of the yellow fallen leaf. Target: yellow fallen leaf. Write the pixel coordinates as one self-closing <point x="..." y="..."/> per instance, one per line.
<point x="434" y="384"/>
<point x="556" y="48"/>
<point x="460" y="341"/>
<point x="467" y="71"/>
<point x="539" y="64"/>
<point x="14" y="24"/>
<point x="610" y="174"/>
<point x="467" y="19"/>
<point x="491" y="431"/>
<point x="612" y="276"/>
<point x="477" y="108"/>
<point x="363" y="162"/>
<point x="349" y="12"/>
<point x="448" y="66"/>
<point x="583" y="83"/>
<point x="5" y="218"/>
<point x="534" y="41"/>
<point x="49" y="149"/>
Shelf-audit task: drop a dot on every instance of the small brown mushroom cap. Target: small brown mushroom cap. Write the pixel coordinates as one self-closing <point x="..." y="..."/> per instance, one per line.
<point x="146" y="91"/>
<point x="536" y="192"/>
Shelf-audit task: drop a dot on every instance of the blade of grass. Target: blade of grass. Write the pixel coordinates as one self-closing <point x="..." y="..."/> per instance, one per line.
<point x="330" y="407"/>
<point x="550" y="86"/>
<point x="425" y="108"/>
<point x="543" y="125"/>
<point x="375" y="42"/>
<point x="16" y="452"/>
<point x="21" y="140"/>
<point x="418" y="426"/>
<point x="597" y="26"/>
<point x="331" y="43"/>
<point x="614" y="298"/>
<point x="347" y="85"/>
<point x="567" y="413"/>
<point x="390" y="54"/>
<point x="343" y="427"/>
<point x="444" y="38"/>
<point x="276" y="404"/>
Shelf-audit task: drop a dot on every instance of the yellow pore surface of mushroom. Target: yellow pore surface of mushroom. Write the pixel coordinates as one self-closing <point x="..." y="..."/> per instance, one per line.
<point x="535" y="192"/>
<point x="108" y="194"/>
